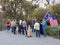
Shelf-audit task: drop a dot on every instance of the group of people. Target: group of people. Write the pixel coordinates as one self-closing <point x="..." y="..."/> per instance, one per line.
<point x="24" y="27"/>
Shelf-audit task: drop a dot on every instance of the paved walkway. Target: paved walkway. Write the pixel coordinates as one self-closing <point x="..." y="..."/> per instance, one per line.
<point x="8" y="38"/>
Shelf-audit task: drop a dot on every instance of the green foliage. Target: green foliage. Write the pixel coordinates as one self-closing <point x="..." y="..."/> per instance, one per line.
<point x="56" y="8"/>
<point x="13" y="7"/>
<point x="53" y="31"/>
<point x="38" y="13"/>
<point x="27" y="5"/>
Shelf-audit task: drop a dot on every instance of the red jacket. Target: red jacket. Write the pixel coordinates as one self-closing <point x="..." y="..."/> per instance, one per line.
<point x="8" y="23"/>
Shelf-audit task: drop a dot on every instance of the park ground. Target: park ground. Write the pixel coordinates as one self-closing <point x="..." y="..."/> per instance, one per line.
<point x="8" y="38"/>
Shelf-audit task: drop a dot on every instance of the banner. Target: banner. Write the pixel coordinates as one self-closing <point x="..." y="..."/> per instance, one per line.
<point x="47" y="16"/>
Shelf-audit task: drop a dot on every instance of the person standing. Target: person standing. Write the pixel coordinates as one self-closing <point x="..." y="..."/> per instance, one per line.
<point x="41" y="30"/>
<point x="14" y="26"/>
<point x="8" y="24"/>
<point x="12" y="22"/>
<point x="24" y="25"/>
<point x="32" y="25"/>
<point x="20" y="26"/>
<point x="37" y="28"/>
<point x="29" y="29"/>
<point x="44" y="27"/>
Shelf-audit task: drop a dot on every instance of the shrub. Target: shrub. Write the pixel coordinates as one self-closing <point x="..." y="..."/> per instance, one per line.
<point x="53" y="31"/>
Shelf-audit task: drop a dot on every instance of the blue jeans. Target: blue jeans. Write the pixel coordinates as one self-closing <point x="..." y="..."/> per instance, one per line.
<point x="24" y="31"/>
<point x="32" y="28"/>
<point x="14" y="31"/>
<point x="12" y="28"/>
<point x="37" y="33"/>
<point x="44" y="31"/>
<point x="8" y="27"/>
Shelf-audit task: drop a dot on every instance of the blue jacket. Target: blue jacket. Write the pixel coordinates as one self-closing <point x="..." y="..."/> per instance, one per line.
<point x="44" y="25"/>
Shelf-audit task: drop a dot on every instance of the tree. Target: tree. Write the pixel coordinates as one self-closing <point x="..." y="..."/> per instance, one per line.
<point x="16" y="8"/>
<point x="39" y="13"/>
<point x="56" y="9"/>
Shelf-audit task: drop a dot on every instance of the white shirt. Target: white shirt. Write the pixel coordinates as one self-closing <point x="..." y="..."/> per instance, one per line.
<point x="14" y="23"/>
<point x="37" y="26"/>
<point x="20" y="22"/>
<point x="24" y="24"/>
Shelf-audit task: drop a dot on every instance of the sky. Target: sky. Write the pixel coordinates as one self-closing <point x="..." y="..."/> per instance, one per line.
<point x="0" y="6"/>
<point x="42" y="5"/>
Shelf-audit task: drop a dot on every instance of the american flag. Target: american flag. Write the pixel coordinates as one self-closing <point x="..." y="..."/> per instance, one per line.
<point x="53" y="21"/>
